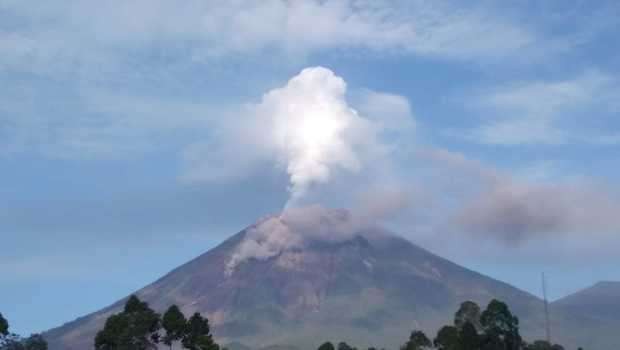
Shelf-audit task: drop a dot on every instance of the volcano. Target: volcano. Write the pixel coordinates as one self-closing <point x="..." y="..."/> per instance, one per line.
<point x="304" y="277"/>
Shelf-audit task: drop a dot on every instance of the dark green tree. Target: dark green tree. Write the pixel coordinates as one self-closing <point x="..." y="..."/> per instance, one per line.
<point x="4" y="327"/>
<point x="35" y="342"/>
<point x="417" y="341"/>
<point x="114" y="333"/>
<point x="12" y="343"/>
<point x="501" y="327"/>
<point x="344" y="346"/>
<point x="327" y="346"/>
<point x="543" y="345"/>
<point x="198" y="334"/>
<point x="447" y="338"/>
<point x="174" y="324"/>
<point x="467" y="312"/>
<point x="8" y="340"/>
<point x="469" y="339"/>
<point x="136" y="328"/>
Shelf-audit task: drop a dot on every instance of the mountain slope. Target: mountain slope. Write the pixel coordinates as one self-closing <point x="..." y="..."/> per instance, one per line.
<point x="289" y="282"/>
<point x="595" y="312"/>
<point x="601" y="299"/>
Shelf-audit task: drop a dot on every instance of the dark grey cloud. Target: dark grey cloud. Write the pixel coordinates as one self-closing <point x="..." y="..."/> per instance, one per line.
<point x="493" y="203"/>
<point x="515" y="211"/>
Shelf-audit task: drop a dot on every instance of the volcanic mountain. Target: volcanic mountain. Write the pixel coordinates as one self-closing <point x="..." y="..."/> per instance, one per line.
<point x="306" y="276"/>
<point x="597" y="310"/>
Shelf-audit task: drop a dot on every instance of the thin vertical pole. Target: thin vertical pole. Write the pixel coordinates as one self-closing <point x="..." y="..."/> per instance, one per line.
<point x="547" y="325"/>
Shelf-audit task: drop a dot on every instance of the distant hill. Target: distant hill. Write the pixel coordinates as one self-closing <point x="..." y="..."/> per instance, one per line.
<point x="601" y="300"/>
<point x="366" y="286"/>
<point x="595" y="315"/>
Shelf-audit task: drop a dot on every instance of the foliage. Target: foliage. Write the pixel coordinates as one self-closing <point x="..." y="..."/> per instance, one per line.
<point x="35" y="342"/>
<point x="138" y="327"/>
<point x="4" y="327"/>
<point x="10" y="341"/>
<point x="469" y="339"/>
<point x="133" y="329"/>
<point x="326" y="346"/>
<point x="501" y="327"/>
<point x="543" y="345"/>
<point x="344" y="346"/>
<point x="494" y="329"/>
<point x="417" y="341"/>
<point x="467" y="312"/>
<point x="198" y="334"/>
<point x="447" y="339"/>
<point x="174" y="324"/>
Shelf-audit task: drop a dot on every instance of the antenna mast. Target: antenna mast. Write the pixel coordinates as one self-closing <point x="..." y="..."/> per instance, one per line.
<point x="547" y="325"/>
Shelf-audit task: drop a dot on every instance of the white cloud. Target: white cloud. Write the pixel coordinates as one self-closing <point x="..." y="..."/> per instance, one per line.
<point x="536" y="112"/>
<point x="72" y="36"/>
<point x="392" y="112"/>
<point x="308" y="127"/>
<point x="91" y="123"/>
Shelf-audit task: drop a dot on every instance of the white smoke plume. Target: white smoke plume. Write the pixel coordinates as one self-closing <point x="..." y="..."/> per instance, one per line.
<point x="309" y="128"/>
<point x="313" y="130"/>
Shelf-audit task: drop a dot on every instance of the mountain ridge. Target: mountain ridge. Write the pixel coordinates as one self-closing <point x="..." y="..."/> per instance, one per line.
<point x="368" y="287"/>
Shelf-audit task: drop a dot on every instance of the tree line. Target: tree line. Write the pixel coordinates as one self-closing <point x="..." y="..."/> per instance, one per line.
<point x="138" y="327"/>
<point x="12" y="341"/>
<point x="495" y="328"/>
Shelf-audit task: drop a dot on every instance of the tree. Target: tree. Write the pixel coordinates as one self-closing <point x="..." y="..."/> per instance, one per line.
<point x="4" y="327"/>
<point x="136" y="328"/>
<point x="198" y="334"/>
<point x="344" y="346"/>
<point x="326" y="346"/>
<point x="501" y="327"/>
<point x="35" y="342"/>
<point x="543" y="345"/>
<point x="467" y="312"/>
<point x="113" y="334"/>
<point x="468" y="337"/>
<point x="174" y="324"/>
<point x="12" y="343"/>
<point x="447" y="338"/>
<point x="417" y="341"/>
<point x="8" y="340"/>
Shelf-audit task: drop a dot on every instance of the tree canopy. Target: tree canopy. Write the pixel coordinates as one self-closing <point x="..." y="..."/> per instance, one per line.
<point x="174" y="324"/>
<point x="198" y="334"/>
<point x="326" y="346"/>
<point x="133" y="329"/>
<point x="4" y="326"/>
<point x="417" y="341"/>
<point x="10" y="341"/>
<point x="138" y="327"/>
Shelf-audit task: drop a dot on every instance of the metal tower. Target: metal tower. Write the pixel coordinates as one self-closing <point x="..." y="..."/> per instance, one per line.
<point x="547" y="324"/>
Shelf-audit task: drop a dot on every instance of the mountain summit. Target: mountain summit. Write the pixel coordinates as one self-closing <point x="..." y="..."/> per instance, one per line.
<point x="315" y="274"/>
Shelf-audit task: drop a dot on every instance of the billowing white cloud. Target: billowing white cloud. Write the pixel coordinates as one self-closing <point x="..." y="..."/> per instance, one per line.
<point x="309" y="128"/>
<point x="312" y="129"/>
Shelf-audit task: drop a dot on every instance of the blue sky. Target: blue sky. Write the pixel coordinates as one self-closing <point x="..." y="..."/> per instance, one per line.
<point x="131" y="135"/>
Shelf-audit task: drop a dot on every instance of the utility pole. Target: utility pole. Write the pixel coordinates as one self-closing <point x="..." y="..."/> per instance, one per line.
<point x="547" y="325"/>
